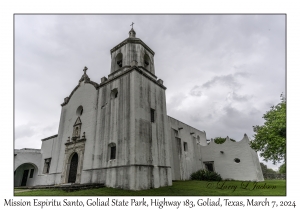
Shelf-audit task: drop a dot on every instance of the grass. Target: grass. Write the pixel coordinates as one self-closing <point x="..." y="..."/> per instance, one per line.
<point x="180" y="188"/>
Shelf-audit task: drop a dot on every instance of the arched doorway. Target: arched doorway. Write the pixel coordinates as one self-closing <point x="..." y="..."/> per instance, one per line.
<point x="25" y="175"/>
<point x="73" y="162"/>
<point x="73" y="169"/>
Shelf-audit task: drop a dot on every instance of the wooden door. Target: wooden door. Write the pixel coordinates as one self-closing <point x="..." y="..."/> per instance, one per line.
<point x="24" y="179"/>
<point x="73" y="169"/>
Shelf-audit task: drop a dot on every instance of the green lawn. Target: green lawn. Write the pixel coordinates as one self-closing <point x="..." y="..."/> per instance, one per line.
<point x="181" y="188"/>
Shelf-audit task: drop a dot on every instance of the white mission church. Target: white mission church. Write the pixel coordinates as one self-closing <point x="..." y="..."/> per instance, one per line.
<point x="118" y="133"/>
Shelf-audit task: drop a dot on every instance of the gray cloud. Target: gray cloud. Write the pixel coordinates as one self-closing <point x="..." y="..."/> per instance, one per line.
<point x="196" y="91"/>
<point x="230" y="80"/>
<point x="233" y="96"/>
<point x="242" y="74"/>
<point x="241" y="98"/>
<point x="227" y="80"/>
<point x="201" y="58"/>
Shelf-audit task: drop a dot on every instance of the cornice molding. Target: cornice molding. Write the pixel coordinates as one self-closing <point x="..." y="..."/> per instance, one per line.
<point x="75" y="142"/>
<point x="130" y="70"/>
<point x="132" y="40"/>
<point x="50" y="137"/>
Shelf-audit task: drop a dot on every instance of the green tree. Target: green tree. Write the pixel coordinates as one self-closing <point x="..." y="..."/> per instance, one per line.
<point x="270" y="138"/>
<point x="266" y="171"/>
<point x="271" y="171"/>
<point x="220" y="140"/>
<point x="282" y="169"/>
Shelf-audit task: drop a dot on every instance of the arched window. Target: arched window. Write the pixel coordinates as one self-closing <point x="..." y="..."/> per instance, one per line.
<point x="79" y="111"/>
<point x="146" y="62"/>
<point x="119" y="60"/>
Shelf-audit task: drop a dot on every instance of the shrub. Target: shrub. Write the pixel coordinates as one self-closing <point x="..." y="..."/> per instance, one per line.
<point x="206" y="175"/>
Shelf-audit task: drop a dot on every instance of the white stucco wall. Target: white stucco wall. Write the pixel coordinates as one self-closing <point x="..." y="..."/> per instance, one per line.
<point x="85" y="96"/>
<point x="247" y="169"/>
<point x="185" y="162"/>
<point x="47" y="152"/>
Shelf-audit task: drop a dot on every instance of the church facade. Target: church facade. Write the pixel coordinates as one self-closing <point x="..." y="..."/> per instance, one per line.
<point x="118" y="133"/>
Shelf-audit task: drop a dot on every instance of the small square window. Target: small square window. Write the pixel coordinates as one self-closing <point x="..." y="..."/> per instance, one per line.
<point x="209" y="166"/>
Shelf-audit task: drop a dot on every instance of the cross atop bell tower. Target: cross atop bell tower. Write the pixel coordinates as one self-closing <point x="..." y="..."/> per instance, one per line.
<point x="132" y="32"/>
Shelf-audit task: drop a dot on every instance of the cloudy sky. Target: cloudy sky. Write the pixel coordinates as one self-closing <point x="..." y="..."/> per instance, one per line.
<point x="222" y="72"/>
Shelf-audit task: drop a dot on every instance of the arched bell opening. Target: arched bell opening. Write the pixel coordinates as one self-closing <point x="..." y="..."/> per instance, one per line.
<point x="147" y="62"/>
<point x="119" y="61"/>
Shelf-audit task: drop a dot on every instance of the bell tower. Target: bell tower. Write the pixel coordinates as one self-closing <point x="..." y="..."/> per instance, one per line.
<point x="132" y="149"/>
<point x="132" y="52"/>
